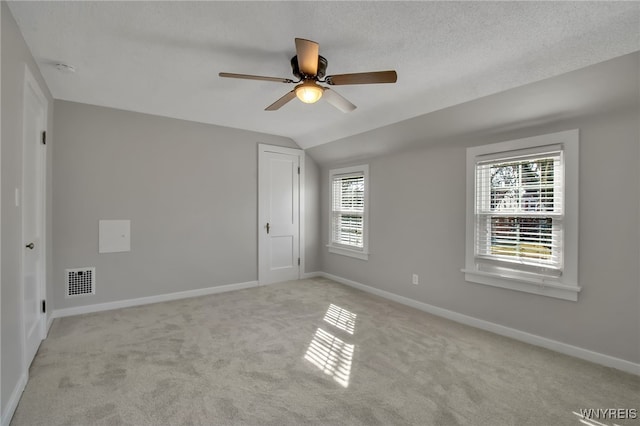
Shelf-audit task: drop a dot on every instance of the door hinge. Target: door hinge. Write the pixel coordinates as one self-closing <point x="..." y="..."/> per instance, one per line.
<point x="298" y="261"/>
<point x="44" y="306"/>
<point x="298" y="169"/>
<point x="44" y="138"/>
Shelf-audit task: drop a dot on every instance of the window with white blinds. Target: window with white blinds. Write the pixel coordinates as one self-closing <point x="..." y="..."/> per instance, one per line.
<point x="348" y="225"/>
<point x="522" y="215"/>
<point x="519" y="208"/>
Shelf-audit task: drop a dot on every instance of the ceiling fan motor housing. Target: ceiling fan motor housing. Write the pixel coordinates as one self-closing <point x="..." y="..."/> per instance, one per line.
<point x="322" y="68"/>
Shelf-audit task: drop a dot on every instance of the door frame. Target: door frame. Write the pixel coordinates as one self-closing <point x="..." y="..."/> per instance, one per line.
<point x="263" y="148"/>
<point x="31" y="84"/>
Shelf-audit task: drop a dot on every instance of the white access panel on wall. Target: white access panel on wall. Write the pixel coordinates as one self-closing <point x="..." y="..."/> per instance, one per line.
<point x="114" y="236"/>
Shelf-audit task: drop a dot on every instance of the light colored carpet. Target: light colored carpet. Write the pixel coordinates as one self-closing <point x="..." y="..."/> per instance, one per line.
<point x="303" y="352"/>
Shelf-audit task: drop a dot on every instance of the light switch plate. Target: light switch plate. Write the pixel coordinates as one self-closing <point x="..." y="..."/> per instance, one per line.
<point x="114" y="236"/>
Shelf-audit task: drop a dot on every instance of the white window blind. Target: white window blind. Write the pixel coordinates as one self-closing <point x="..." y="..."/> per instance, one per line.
<point x="519" y="208"/>
<point x="348" y="208"/>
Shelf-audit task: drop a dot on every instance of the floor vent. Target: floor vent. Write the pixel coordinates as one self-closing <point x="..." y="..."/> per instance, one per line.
<point x="81" y="281"/>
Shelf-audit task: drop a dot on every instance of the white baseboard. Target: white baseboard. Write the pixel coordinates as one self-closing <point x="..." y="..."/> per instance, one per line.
<point x="12" y="404"/>
<point x="513" y="333"/>
<point x="49" y="324"/>
<point x="79" y="310"/>
<point x="307" y="275"/>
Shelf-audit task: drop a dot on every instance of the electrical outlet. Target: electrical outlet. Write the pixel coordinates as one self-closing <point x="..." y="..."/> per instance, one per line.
<point x="415" y="279"/>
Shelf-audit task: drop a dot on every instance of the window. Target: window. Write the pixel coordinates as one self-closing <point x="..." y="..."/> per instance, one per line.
<point x="522" y="215"/>
<point x="349" y="206"/>
<point x="519" y="208"/>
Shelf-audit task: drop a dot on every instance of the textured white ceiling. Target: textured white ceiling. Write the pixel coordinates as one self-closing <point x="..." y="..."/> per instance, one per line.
<point x="164" y="57"/>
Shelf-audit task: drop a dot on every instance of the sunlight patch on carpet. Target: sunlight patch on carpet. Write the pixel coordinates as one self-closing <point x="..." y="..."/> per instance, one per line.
<point x="331" y="355"/>
<point x="341" y="318"/>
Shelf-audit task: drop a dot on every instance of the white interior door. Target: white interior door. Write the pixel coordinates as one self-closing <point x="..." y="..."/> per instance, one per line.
<point x="33" y="162"/>
<point x="279" y="214"/>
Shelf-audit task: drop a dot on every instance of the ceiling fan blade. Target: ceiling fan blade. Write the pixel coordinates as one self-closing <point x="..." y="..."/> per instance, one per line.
<point x="280" y="102"/>
<point x="307" y="52"/>
<point x="337" y="100"/>
<point x="363" y="78"/>
<point x="255" y="77"/>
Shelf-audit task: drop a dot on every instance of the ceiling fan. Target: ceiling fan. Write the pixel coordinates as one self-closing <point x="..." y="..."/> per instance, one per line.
<point x="309" y="68"/>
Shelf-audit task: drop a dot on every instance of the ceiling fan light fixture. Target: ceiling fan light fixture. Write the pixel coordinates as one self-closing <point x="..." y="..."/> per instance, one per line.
<point x="309" y="92"/>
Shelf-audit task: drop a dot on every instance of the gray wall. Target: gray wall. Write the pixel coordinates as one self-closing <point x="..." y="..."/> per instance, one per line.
<point x="189" y="189"/>
<point x="15" y="55"/>
<point x="417" y="222"/>
<point x="312" y="215"/>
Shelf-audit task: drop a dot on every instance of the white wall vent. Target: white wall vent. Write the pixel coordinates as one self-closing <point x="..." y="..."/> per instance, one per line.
<point x="80" y="281"/>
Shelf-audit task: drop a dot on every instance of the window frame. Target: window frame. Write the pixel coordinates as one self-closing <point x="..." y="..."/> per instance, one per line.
<point x="342" y="249"/>
<point x="562" y="283"/>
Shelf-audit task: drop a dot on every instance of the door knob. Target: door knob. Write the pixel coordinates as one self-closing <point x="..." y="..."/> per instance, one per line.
<point x="30" y="246"/>
<point x="268" y="227"/>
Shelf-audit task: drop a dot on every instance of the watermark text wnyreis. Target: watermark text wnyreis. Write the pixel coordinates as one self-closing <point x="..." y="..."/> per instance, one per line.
<point x="608" y="413"/>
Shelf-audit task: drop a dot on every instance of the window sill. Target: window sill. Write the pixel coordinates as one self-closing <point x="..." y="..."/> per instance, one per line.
<point x="348" y="252"/>
<point x="538" y="286"/>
